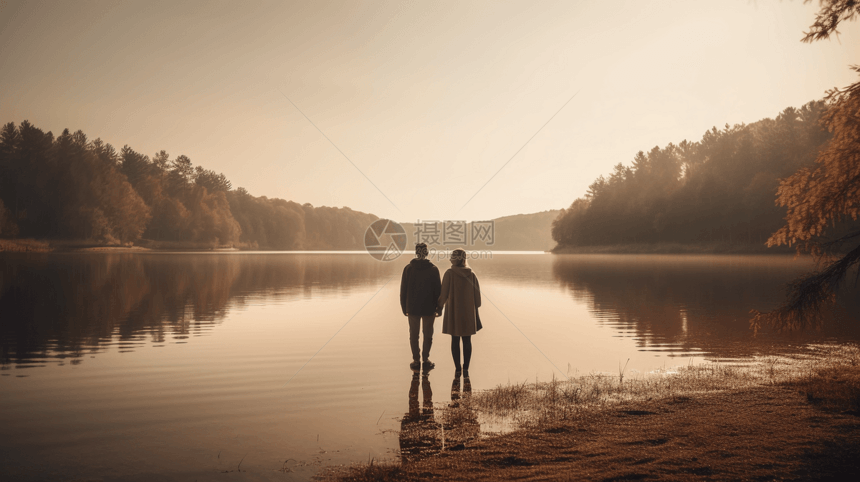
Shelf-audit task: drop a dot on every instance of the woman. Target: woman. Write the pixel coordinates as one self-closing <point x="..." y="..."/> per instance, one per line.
<point x="461" y="296"/>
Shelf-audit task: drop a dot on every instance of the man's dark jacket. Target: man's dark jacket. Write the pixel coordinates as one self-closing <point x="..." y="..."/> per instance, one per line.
<point x="420" y="287"/>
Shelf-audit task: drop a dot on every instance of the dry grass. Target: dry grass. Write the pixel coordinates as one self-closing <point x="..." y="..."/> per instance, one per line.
<point x="828" y="373"/>
<point x="370" y="472"/>
<point x="687" y="419"/>
<point x="833" y="383"/>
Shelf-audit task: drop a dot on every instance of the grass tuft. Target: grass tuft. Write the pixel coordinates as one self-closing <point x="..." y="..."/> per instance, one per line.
<point x="369" y="472"/>
<point x="834" y="383"/>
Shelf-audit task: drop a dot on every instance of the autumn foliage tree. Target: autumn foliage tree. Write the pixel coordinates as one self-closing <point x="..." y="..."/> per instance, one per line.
<point x="823" y="205"/>
<point x="823" y="201"/>
<point x="66" y="187"/>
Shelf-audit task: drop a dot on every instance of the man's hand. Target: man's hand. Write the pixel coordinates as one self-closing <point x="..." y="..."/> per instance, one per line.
<point x="438" y="312"/>
<point x="405" y="314"/>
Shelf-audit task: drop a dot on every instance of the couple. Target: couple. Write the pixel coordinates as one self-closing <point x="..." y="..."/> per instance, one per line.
<point x="422" y="298"/>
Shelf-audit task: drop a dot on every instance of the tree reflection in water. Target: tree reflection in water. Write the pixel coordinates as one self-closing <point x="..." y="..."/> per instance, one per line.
<point x="65" y="305"/>
<point x="691" y="303"/>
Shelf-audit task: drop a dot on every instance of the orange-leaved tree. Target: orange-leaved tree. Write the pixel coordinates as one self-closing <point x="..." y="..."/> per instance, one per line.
<point x="823" y="201"/>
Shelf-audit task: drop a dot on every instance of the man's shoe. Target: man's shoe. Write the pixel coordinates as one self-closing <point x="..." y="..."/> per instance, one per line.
<point x="415" y="365"/>
<point x="428" y="365"/>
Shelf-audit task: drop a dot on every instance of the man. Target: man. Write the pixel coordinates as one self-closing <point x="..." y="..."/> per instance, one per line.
<point x="420" y="287"/>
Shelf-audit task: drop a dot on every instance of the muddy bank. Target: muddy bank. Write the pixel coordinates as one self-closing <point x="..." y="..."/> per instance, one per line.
<point x="777" y="419"/>
<point x="765" y="433"/>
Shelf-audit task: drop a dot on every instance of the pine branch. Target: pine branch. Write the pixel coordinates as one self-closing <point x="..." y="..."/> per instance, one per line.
<point x="808" y="296"/>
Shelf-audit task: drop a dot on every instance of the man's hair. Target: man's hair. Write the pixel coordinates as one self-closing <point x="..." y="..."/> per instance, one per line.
<point x="421" y="250"/>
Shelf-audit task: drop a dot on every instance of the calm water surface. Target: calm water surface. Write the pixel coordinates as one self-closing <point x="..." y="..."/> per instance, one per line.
<point x="181" y="366"/>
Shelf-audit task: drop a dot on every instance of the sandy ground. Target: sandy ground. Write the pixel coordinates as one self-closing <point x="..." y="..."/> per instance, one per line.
<point x="762" y="433"/>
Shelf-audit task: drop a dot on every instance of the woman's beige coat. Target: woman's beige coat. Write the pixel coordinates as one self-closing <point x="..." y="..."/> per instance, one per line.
<point x="460" y="295"/>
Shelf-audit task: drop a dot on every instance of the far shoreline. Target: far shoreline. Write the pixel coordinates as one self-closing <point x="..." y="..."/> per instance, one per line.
<point x="145" y="245"/>
<point x="673" y="248"/>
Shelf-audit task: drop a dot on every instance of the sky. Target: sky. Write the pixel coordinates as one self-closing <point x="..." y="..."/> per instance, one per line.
<point x="411" y="110"/>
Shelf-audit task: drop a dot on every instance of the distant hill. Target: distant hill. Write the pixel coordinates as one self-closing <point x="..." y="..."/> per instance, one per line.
<point x="520" y="232"/>
<point x="525" y="232"/>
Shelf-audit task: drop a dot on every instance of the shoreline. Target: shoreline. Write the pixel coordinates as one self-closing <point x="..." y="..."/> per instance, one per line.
<point x="779" y="418"/>
<point x="672" y="248"/>
<point x="46" y="246"/>
<point x="24" y="246"/>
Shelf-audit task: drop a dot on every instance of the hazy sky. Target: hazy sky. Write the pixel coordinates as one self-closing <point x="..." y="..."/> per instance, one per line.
<point x="428" y="99"/>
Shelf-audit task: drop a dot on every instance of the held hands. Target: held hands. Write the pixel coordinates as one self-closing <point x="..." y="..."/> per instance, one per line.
<point x="437" y="314"/>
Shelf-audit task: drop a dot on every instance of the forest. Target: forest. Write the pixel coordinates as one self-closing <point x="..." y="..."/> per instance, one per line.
<point x="719" y="190"/>
<point x="72" y="188"/>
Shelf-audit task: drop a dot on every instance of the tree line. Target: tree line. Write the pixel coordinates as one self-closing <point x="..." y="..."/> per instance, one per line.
<point x="794" y="181"/>
<point x="720" y="189"/>
<point x="69" y="187"/>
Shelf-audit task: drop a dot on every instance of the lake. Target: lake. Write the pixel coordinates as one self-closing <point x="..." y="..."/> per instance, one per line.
<point x="179" y="366"/>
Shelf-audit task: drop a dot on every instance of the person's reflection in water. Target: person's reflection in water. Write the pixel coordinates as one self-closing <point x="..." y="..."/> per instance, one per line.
<point x="460" y="422"/>
<point x="419" y="432"/>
